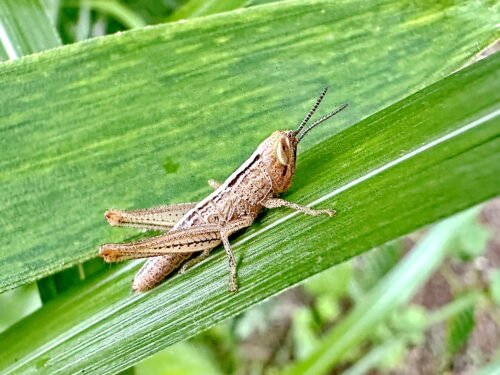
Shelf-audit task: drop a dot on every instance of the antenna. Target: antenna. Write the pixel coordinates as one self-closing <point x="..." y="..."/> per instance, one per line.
<point x="311" y="112"/>
<point x="322" y="119"/>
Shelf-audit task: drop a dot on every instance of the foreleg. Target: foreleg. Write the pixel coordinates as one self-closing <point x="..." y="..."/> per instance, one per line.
<point x="278" y="202"/>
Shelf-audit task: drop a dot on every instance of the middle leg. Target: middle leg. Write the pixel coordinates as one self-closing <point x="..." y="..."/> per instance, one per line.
<point x="230" y="228"/>
<point x="233" y="286"/>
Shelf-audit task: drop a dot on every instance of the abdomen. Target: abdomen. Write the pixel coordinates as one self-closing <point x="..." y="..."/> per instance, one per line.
<point x="156" y="269"/>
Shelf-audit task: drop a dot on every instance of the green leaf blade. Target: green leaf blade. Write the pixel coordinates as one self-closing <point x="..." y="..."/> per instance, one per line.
<point x="127" y="103"/>
<point x="455" y="167"/>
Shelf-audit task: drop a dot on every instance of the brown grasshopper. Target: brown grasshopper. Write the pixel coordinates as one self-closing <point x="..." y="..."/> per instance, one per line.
<point x="202" y="226"/>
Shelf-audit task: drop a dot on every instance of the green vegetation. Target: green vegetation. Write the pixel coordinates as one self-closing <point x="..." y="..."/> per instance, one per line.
<point x="146" y="117"/>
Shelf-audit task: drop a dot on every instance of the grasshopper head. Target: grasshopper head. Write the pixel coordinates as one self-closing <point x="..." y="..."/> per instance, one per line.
<point x="279" y="151"/>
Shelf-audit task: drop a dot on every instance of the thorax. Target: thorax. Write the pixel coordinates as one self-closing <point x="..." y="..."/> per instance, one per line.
<point x="240" y="195"/>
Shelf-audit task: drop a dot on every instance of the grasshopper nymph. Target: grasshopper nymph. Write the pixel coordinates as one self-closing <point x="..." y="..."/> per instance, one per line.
<point x="200" y="227"/>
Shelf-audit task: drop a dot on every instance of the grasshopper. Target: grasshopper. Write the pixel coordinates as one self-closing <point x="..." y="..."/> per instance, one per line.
<point x="234" y="204"/>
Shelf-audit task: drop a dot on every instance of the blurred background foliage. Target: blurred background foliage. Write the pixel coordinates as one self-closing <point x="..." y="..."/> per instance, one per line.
<point x="82" y="19"/>
<point x="449" y="324"/>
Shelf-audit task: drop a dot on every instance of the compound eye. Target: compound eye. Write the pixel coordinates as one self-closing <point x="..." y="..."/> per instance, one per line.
<point x="283" y="151"/>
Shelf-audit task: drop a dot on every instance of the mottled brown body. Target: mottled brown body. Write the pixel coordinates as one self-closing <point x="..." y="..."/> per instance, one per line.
<point x="203" y="226"/>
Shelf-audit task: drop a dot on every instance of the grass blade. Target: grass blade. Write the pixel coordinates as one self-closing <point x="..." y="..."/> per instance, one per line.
<point x="25" y="28"/>
<point x="200" y="8"/>
<point x="111" y="118"/>
<point x="419" y="160"/>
